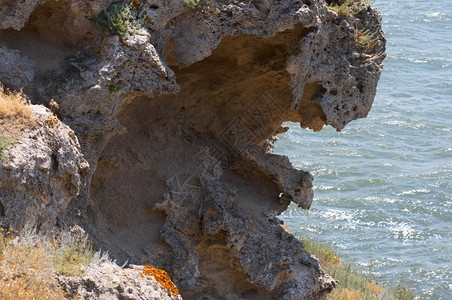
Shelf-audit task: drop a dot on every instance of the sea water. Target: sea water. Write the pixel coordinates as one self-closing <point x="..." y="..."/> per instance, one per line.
<point x="383" y="186"/>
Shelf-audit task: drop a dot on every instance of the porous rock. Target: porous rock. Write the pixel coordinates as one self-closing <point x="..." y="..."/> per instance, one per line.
<point x="177" y="120"/>
<point x="41" y="174"/>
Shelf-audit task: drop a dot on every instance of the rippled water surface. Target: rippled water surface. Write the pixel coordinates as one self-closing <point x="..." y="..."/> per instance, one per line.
<point x="383" y="186"/>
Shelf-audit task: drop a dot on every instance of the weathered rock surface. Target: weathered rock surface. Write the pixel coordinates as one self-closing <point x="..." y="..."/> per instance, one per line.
<point x="15" y="70"/>
<point x="174" y="122"/>
<point x="41" y="174"/>
<point x="107" y="281"/>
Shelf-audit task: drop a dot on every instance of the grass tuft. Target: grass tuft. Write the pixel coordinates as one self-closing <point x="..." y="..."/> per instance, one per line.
<point x="14" y="106"/>
<point x="72" y="260"/>
<point x="348" y="7"/>
<point x="15" y="115"/>
<point x="192" y="4"/>
<point x="26" y="270"/>
<point x="4" y="143"/>
<point x="365" y="37"/>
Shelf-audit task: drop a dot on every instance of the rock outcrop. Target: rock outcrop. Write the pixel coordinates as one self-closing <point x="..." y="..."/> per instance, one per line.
<point x="41" y="174"/>
<point x="107" y="281"/>
<point x="175" y="121"/>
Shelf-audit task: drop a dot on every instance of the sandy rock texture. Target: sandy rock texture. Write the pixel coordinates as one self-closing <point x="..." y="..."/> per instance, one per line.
<point x="177" y="120"/>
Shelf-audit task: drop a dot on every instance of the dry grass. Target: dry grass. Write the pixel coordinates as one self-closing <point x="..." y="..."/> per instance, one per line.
<point x="26" y="271"/>
<point x="29" y="262"/>
<point x="14" y="106"/>
<point x="15" y="116"/>
<point x="353" y="284"/>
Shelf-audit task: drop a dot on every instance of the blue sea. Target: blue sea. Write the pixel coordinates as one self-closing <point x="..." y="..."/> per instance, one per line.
<point x="383" y="186"/>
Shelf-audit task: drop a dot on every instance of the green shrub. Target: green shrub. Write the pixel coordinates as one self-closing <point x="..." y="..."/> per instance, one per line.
<point x="192" y="4"/>
<point x="71" y="260"/>
<point x="119" y="18"/>
<point x="4" y="142"/>
<point x="113" y="88"/>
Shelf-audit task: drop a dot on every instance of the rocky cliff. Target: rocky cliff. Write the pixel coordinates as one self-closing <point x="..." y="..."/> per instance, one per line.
<point x="168" y="116"/>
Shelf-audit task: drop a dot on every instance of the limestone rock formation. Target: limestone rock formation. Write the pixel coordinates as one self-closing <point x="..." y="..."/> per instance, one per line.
<point x="41" y="174"/>
<point x="176" y="120"/>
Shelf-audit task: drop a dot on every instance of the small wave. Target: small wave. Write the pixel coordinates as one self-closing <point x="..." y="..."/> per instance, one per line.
<point x="338" y="215"/>
<point x="403" y="231"/>
<point x="327" y="188"/>
<point x="448" y="129"/>
<point x="413" y="192"/>
<point x="372" y="181"/>
<point x="405" y="124"/>
<point x="374" y="199"/>
<point x="437" y="16"/>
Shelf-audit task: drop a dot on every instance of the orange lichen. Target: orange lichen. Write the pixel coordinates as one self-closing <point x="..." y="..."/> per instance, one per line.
<point x="52" y="121"/>
<point x="286" y="229"/>
<point x="162" y="278"/>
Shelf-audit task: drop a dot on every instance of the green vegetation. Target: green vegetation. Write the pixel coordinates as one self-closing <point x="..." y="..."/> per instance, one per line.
<point x="119" y="18"/>
<point x="4" y="142"/>
<point x="70" y="258"/>
<point x="353" y="284"/>
<point x="113" y="88"/>
<point x="192" y="4"/>
<point x="348" y="7"/>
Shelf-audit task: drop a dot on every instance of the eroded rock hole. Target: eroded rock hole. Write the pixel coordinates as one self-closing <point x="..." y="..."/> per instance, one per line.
<point x="360" y="87"/>
<point x="309" y="113"/>
<point x="2" y="210"/>
<point x="228" y="104"/>
<point x="128" y="182"/>
<point x="55" y="162"/>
